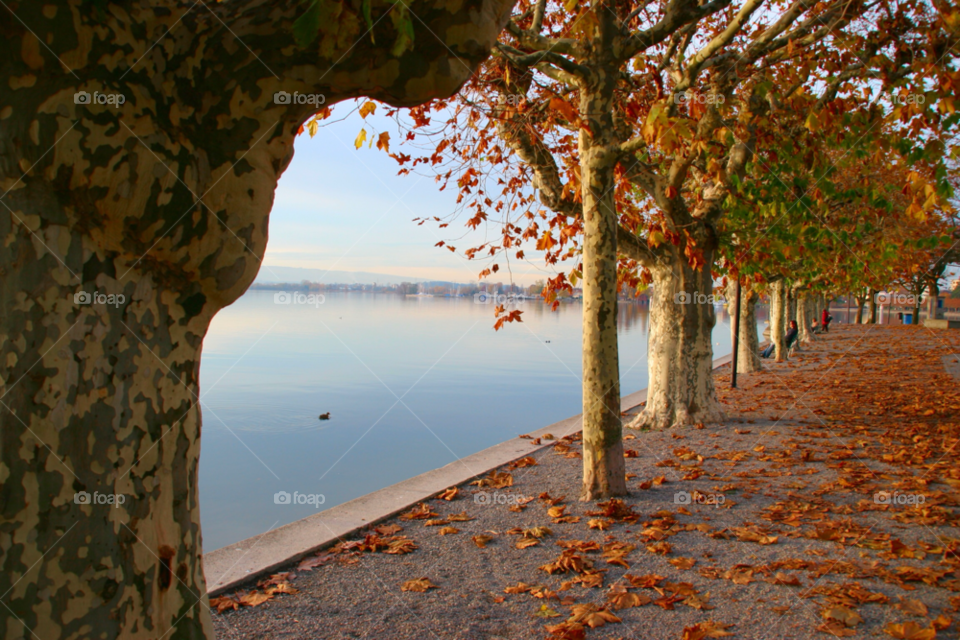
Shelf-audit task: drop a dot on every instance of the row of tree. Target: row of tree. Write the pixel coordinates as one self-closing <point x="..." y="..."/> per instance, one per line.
<point x="799" y="147"/>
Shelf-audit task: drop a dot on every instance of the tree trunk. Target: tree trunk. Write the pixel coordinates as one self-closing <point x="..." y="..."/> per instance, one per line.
<point x="680" y="347"/>
<point x="872" y="304"/>
<point x="604" y="473"/>
<point x="135" y="222"/>
<point x="861" y="301"/>
<point x="793" y="315"/>
<point x="932" y="299"/>
<point x="803" y="319"/>
<point x="748" y="349"/>
<point x="791" y="305"/>
<point x="778" y="317"/>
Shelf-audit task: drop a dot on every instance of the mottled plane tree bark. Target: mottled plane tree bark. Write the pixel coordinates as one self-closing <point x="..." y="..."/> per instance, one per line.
<point x="748" y="346"/>
<point x="861" y="297"/>
<point x="778" y="317"/>
<point x="804" y="317"/>
<point x="140" y="148"/>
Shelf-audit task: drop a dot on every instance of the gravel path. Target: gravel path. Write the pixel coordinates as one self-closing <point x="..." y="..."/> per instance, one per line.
<point x="816" y="532"/>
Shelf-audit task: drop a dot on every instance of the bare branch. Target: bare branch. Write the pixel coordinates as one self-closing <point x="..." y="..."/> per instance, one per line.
<point x="678" y="14"/>
<point x="717" y="43"/>
<point x="527" y="60"/>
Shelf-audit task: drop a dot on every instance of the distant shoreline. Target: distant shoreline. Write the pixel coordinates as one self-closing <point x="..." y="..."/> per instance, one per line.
<point x="436" y="290"/>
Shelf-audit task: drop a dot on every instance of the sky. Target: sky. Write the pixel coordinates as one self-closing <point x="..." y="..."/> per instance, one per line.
<point x="346" y="209"/>
<point x="340" y="208"/>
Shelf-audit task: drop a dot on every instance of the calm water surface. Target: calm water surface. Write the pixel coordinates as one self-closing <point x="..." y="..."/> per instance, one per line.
<point x="411" y="384"/>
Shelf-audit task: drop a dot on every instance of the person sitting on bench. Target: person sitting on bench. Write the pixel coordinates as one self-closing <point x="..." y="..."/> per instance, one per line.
<point x="789" y="339"/>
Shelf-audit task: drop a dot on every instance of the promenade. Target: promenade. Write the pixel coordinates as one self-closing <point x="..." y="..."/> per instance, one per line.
<point x="826" y="506"/>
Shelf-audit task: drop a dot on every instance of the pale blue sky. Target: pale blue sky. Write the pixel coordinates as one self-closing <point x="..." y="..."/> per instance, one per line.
<point x="345" y="209"/>
<point x="342" y="209"/>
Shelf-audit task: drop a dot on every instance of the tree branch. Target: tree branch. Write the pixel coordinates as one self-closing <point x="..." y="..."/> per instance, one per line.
<point x="716" y="44"/>
<point x="527" y="60"/>
<point x="678" y="14"/>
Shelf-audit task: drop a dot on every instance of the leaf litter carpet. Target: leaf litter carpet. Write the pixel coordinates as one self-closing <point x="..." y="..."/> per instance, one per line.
<point x="826" y="506"/>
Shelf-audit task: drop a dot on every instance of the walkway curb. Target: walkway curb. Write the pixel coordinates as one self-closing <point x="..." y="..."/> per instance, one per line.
<point x="232" y="566"/>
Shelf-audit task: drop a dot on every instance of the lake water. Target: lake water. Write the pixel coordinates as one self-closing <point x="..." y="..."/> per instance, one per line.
<point x="411" y="384"/>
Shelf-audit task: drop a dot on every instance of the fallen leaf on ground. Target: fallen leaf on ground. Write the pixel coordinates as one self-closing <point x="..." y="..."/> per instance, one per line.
<point x="418" y="585"/>
<point x="700" y="602"/>
<point x="223" y="603"/>
<point x="848" y="617"/>
<point x="913" y="607"/>
<point x="785" y="579"/>
<point x="591" y="615"/>
<point x="648" y="581"/>
<point x="450" y="494"/>
<point x="438" y="522"/>
<point x="910" y="631"/>
<point x="522" y="587"/>
<point x="460" y="517"/>
<point x="941" y="622"/>
<point x="547" y="612"/>
<point x="626" y="600"/>
<point x="399" y="545"/>
<point x="313" y="562"/>
<point x="528" y="461"/>
<point x="283" y="587"/>
<point x="254" y="598"/>
<point x="388" y="529"/>
<point x="496" y="480"/>
<point x="420" y="512"/>
<point x="661" y="548"/>
<point x="566" y="631"/>
<point x="708" y="629"/>
<point x="482" y="540"/>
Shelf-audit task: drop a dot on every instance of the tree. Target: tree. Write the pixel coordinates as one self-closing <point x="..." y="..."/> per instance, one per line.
<point x="748" y="345"/>
<point x="141" y="147"/>
<point x="631" y="142"/>
<point x="578" y="116"/>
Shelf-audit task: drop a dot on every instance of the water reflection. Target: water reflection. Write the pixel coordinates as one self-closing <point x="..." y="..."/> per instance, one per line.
<point x="411" y="384"/>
